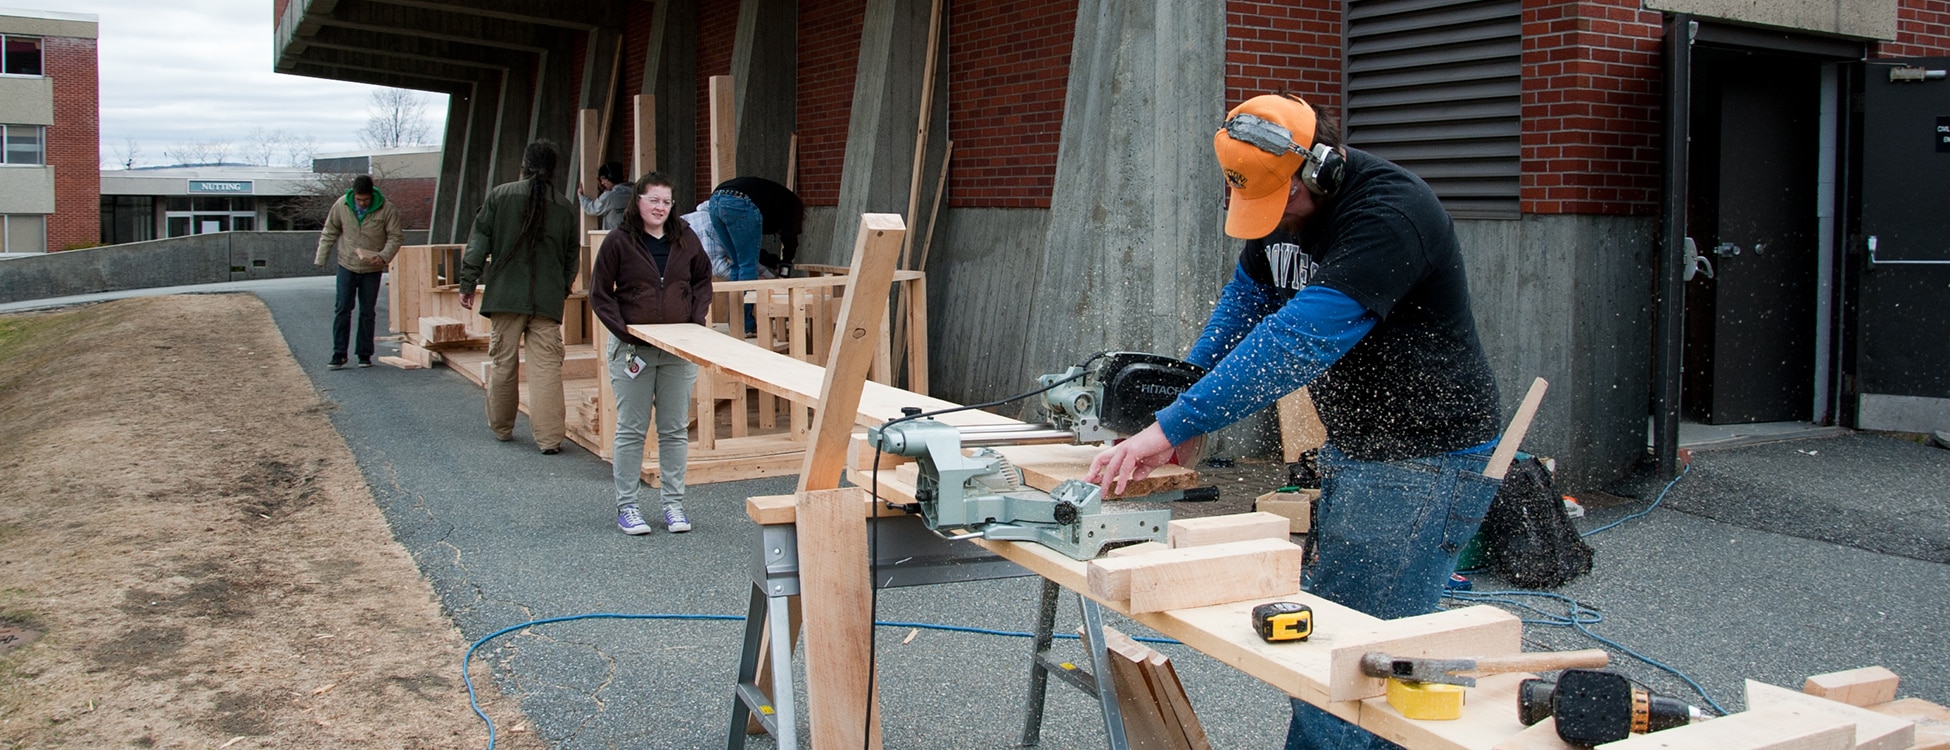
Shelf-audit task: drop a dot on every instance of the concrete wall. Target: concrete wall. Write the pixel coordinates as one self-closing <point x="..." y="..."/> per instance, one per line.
<point x="27" y="190"/>
<point x="1875" y="19"/>
<point x="27" y="101"/>
<point x="1568" y="298"/>
<point x="177" y="261"/>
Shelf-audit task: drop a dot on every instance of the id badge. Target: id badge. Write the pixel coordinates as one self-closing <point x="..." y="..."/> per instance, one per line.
<point x="634" y="366"/>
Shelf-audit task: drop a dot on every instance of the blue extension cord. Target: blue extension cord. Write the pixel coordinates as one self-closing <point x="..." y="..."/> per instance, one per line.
<point x="1580" y="616"/>
<point x="469" y="656"/>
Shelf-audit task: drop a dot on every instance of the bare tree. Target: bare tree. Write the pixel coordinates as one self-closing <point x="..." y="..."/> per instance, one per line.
<point x="199" y="152"/>
<point x="306" y="210"/>
<point x="397" y="118"/>
<point x="128" y="153"/>
<point x="262" y="146"/>
<point x="299" y="150"/>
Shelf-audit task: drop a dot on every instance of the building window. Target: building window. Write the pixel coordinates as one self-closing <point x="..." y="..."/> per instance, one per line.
<point x="128" y="218"/>
<point x="20" y="55"/>
<point x="23" y="233"/>
<point x="25" y="144"/>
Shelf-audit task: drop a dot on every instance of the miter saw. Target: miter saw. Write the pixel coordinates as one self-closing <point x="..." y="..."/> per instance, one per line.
<point x="1111" y="396"/>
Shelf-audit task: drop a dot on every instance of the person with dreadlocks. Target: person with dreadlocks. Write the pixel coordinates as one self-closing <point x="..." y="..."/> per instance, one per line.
<point x="523" y="248"/>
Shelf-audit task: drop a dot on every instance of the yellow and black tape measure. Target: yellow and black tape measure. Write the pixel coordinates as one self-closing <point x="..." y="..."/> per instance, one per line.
<point x="1283" y="621"/>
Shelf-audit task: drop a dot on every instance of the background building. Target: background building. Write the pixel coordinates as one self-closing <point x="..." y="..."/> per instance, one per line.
<point x="157" y="202"/>
<point x="1578" y="143"/>
<point x="50" y="124"/>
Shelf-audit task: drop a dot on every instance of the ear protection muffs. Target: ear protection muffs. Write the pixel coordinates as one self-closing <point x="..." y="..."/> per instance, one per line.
<point x="1323" y="171"/>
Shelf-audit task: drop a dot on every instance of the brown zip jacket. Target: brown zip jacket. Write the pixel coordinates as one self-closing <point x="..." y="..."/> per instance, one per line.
<point x="627" y="288"/>
<point x="379" y="233"/>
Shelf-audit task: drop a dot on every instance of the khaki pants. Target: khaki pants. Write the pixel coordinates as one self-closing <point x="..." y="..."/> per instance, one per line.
<point x="542" y="338"/>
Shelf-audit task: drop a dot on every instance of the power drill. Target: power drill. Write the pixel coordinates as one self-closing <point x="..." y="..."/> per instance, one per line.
<point x="1593" y="707"/>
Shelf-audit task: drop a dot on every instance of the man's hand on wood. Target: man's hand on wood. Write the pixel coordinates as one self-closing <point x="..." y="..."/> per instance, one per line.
<point x="1134" y="458"/>
<point x="467" y="300"/>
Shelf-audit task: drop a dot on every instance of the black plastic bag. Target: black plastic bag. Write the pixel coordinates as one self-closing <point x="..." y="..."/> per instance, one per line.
<point x="1527" y="537"/>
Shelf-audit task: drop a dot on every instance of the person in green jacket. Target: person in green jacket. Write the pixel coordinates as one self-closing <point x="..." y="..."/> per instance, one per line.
<point x="363" y="231"/>
<point x="523" y="250"/>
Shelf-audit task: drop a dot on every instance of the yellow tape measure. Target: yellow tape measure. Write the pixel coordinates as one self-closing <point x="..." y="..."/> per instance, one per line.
<point x="1283" y="621"/>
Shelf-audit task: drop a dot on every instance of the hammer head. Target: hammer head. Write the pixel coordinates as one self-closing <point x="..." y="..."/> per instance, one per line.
<point x="1414" y="669"/>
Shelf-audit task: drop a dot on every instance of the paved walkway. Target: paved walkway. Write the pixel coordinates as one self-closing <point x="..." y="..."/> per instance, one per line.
<point x="507" y="535"/>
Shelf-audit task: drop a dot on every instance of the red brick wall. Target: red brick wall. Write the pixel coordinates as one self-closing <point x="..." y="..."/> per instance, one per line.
<point x="829" y="58"/>
<point x="717" y="31"/>
<point x="74" y="143"/>
<point x="1922" y="30"/>
<point x="1008" y="72"/>
<point x="412" y="197"/>
<point x="1592" y="79"/>
<point x="1284" y="47"/>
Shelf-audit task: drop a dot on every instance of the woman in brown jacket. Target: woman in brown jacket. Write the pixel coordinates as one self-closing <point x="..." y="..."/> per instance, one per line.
<point x="650" y="270"/>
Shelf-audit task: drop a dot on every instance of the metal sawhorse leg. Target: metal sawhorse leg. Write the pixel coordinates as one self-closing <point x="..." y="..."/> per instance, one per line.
<point x="776" y="715"/>
<point x="1095" y="683"/>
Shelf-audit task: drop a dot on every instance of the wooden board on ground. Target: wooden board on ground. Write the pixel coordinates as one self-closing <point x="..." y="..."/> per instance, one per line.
<point x="400" y="362"/>
<point x="1857" y="687"/>
<point x="1873" y="731"/>
<point x="1932" y="721"/>
<point x="1235" y="527"/>
<point x="1297" y="507"/>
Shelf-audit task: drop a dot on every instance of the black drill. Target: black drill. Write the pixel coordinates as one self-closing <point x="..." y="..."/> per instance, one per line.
<point x="1594" y="707"/>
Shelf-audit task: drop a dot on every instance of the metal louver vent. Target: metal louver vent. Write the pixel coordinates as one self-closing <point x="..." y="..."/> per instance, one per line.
<point x="1436" y="86"/>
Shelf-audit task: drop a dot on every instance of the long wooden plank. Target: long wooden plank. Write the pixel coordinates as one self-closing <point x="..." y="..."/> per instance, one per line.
<point x="1045" y="466"/>
<point x="643" y="135"/>
<point x="724" y="129"/>
<point x="1164" y="682"/>
<point x="1932" y="721"/>
<point x="865" y="309"/>
<point x="1748" y="730"/>
<point x="1506" y="448"/>
<point x="1146" y="725"/>
<point x="836" y="593"/>
<point x="1873" y="731"/>
<point x="588" y="126"/>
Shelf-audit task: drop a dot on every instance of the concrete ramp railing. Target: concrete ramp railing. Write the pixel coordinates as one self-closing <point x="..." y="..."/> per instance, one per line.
<point x="177" y="261"/>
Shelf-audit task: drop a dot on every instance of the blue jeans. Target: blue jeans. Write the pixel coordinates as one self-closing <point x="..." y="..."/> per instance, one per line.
<point x="366" y="288"/>
<point x="1385" y="539"/>
<point x="740" y="226"/>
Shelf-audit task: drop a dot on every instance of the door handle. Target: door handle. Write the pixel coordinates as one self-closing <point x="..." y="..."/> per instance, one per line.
<point x="1694" y="263"/>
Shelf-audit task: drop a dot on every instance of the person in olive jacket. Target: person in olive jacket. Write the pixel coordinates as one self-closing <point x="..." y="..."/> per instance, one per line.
<point x="363" y="231"/>
<point x="650" y="270"/>
<point x="524" y="249"/>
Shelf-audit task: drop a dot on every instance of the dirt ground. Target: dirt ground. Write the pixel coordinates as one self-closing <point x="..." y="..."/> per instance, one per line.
<point x="189" y="556"/>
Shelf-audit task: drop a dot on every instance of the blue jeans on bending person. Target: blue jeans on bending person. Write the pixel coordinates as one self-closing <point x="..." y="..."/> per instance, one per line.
<point x="1386" y="537"/>
<point x="362" y="288"/>
<point x="662" y="387"/>
<point x="740" y="225"/>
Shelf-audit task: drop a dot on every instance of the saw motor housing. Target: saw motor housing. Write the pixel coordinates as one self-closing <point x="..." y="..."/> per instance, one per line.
<point x="1118" y="394"/>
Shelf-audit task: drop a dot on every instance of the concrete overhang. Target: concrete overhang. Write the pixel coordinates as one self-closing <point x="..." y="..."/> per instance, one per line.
<point x="402" y="33"/>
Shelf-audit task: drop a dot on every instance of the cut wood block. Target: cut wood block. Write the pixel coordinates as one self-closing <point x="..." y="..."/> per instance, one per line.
<point x="1932" y="721"/>
<point x="1873" y="731"/>
<point x="1857" y="687"/>
<point x="1198" y="576"/>
<point x="440" y="330"/>
<point x="1297" y="507"/>
<point x="1748" y="730"/>
<point x="401" y="363"/>
<point x="1236" y="527"/>
<point x="418" y="355"/>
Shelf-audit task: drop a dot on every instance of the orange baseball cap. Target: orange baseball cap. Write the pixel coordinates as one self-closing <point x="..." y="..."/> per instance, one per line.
<point x="1260" y="178"/>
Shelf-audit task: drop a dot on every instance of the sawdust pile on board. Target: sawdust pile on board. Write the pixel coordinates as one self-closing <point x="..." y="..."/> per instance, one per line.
<point x="189" y="556"/>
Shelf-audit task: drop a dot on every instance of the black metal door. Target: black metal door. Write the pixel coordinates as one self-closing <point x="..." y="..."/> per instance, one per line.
<point x="1750" y="339"/>
<point x="1902" y="246"/>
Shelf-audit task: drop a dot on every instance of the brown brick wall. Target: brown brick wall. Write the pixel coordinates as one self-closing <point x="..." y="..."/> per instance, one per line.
<point x="1922" y="30"/>
<point x="1283" y="47"/>
<point x="717" y="32"/>
<point x="412" y="197"/>
<point x="829" y="57"/>
<point x="74" y="143"/>
<point x="1008" y="73"/>
<point x="1592" y="79"/>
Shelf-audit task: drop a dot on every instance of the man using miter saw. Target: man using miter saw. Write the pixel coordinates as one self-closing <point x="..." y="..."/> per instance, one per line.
<point x="1351" y="281"/>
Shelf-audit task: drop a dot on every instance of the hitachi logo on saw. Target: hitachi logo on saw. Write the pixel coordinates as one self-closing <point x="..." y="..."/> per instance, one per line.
<point x="1155" y="389"/>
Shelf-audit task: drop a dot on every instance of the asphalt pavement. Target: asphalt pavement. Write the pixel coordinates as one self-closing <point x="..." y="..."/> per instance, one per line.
<point x="1769" y="562"/>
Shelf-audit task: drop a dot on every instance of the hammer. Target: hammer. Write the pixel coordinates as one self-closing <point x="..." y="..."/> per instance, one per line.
<point x="1454" y="671"/>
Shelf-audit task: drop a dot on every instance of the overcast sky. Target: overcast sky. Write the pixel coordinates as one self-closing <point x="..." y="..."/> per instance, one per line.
<point x="179" y="72"/>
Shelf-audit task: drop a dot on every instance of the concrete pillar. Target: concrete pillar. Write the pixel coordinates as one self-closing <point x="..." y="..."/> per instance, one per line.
<point x="670" y="75"/>
<point x="554" y="113"/>
<point x="764" y="65"/>
<point x="880" y="131"/>
<point x="511" y="129"/>
<point x="599" y="72"/>
<point x="1134" y="252"/>
<point x="453" y="146"/>
<point x="478" y="157"/>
